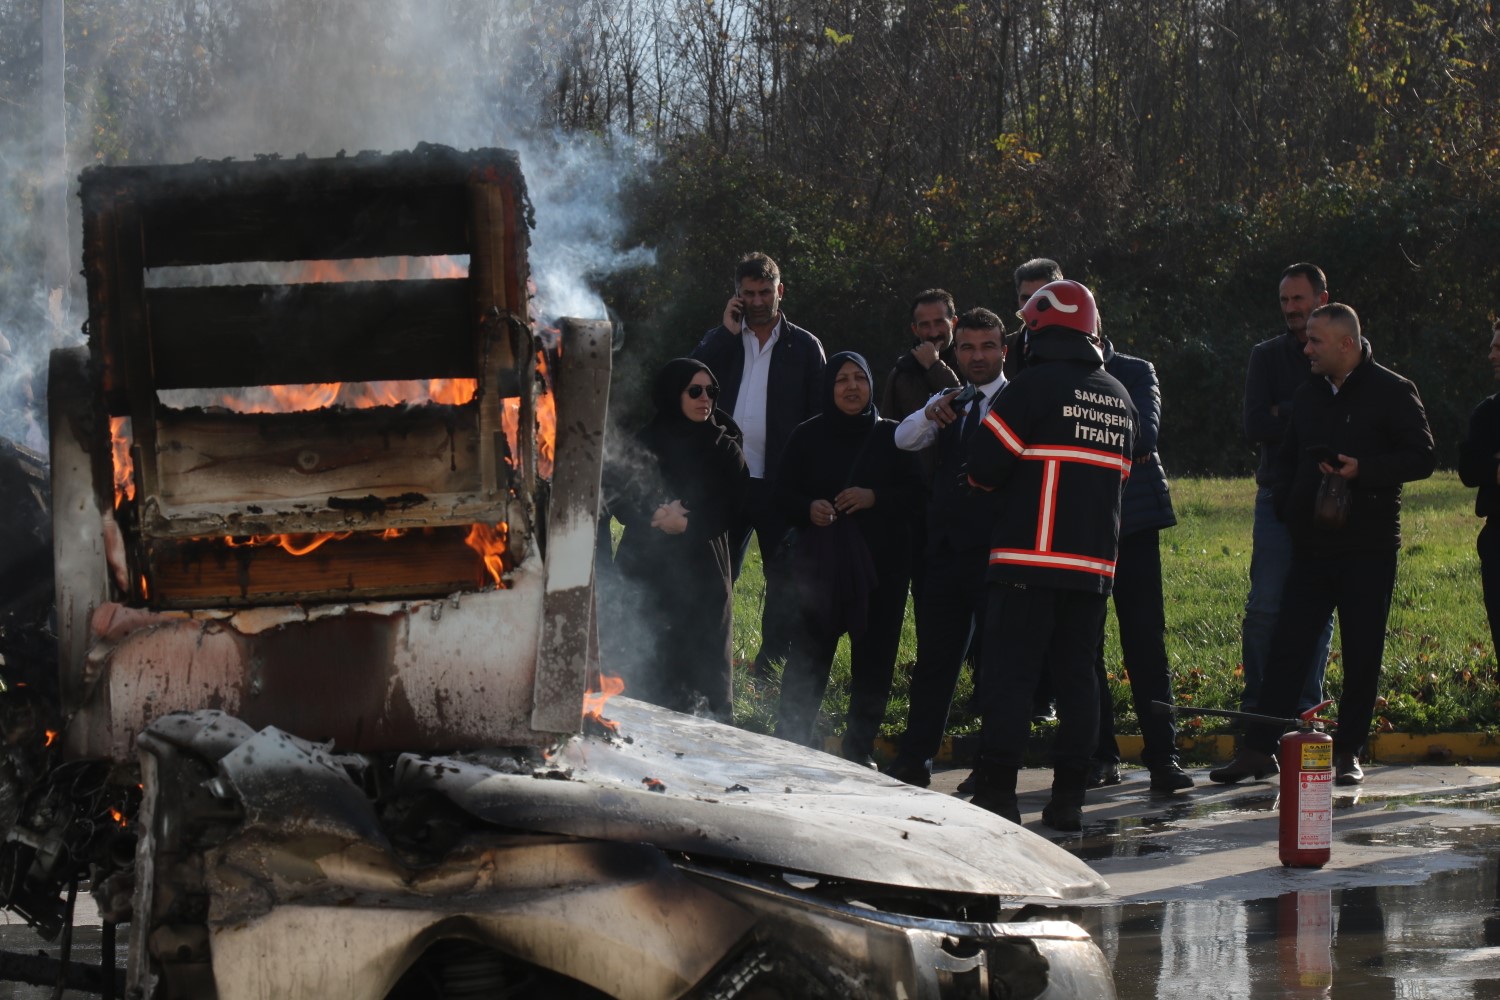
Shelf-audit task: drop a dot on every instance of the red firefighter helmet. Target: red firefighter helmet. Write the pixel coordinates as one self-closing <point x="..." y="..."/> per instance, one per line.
<point x="1062" y="303"/>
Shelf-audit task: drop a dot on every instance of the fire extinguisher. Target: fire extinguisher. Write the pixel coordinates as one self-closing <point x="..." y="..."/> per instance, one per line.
<point x="1307" y="793"/>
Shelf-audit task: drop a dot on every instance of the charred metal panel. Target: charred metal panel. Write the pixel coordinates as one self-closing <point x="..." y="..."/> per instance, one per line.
<point x="582" y="390"/>
<point x="430" y="675"/>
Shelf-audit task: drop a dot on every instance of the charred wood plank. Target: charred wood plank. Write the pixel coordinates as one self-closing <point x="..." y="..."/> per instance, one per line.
<point x="197" y="573"/>
<point x="209" y="457"/>
<point x="359" y="331"/>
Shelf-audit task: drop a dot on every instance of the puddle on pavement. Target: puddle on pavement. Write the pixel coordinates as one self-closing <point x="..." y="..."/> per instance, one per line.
<point x="1437" y="939"/>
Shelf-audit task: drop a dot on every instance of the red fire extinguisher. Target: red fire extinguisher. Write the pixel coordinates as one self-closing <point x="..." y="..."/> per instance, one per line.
<point x="1307" y="793"/>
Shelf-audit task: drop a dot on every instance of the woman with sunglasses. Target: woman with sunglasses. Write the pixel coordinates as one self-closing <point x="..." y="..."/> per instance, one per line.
<point x="850" y="491"/>
<point x="676" y="491"/>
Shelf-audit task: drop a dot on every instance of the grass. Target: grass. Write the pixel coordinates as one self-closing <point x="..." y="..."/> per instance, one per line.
<point x="1439" y="672"/>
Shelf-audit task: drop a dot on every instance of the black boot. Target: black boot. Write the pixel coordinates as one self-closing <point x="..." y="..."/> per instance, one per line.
<point x="995" y="790"/>
<point x="1065" y="811"/>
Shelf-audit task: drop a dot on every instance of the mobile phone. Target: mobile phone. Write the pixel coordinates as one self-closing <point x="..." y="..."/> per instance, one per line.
<point x="1323" y="453"/>
<point x="737" y="307"/>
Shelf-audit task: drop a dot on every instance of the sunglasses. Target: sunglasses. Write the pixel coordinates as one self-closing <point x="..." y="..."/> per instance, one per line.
<point x="695" y="390"/>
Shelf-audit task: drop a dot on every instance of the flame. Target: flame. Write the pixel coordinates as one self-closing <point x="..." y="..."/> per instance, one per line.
<point x="491" y="544"/>
<point x="145" y="590"/>
<point x="296" y="544"/>
<point x="51" y="737"/>
<point x="546" y="422"/>
<point x="593" y="701"/>
<point x="118" y="816"/>
<point x="119" y="441"/>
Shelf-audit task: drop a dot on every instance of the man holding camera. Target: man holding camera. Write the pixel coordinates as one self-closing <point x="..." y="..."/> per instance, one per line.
<point x="958" y="525"/>
<point x="1357" y="432"/>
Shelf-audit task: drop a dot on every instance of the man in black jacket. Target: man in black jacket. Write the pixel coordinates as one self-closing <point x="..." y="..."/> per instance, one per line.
<point x="1277" y="367"/>
<point x="1479" y="465"/>
<point x="1028" y="277"/>
<point x="770" y="372"/>
<point x="1056" y="445"/>
<point x="1140" y="610"/>
<point x="1359" y="430"/>
<point x="928" y="367"/>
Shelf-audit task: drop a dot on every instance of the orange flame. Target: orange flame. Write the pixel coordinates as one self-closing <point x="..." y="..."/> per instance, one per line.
<point x="51" y="737"/>
<point x="119" y="441"/>
<point x="593" y="701"/>
<point x="491" y="544"/>
<point x="118" y="817"/>
<point x="546" y="422"/>
<point x="296" y="544"/>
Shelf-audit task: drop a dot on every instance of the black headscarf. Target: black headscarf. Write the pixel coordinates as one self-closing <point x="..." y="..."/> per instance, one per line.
<point x="840" y="423"/>
<point x="676" y="439"/>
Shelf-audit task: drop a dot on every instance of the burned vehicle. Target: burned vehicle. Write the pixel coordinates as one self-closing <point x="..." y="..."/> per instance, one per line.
<point x="332" y="721"/>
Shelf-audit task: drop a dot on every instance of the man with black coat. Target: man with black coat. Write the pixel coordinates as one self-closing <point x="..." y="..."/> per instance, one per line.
<point x="770" y="374"/>
<point x="1140" y="610"/>
<point x="1277" y="368"/>
<point x="1358" y="432"/>
<point x="958" y="527"/>
<point x="926" y="369"/>
<point x="1479" y="465"/>
<point x="1056" y="446"/>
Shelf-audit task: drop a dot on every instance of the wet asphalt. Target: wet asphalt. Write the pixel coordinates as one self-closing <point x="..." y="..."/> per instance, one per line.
<point x="1199" y="904"/>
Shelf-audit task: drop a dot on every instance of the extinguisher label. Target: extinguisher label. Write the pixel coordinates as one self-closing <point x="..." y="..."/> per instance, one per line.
<point x="1317" y="756"/>
<point x="1315" y="810"/>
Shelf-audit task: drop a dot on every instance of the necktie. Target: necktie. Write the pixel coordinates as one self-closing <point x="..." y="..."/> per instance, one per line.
<point x="971" y="418"/>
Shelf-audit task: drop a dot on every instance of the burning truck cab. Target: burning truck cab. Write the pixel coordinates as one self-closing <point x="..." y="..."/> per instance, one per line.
<point x="324" y="499"/>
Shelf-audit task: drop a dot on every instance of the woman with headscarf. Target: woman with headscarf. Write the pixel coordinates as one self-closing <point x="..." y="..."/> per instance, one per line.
<point x="849" y="491"/>
<point x="677" y="492"/>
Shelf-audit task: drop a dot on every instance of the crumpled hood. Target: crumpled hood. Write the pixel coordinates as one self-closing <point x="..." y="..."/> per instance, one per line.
<point x="693" y="785"/>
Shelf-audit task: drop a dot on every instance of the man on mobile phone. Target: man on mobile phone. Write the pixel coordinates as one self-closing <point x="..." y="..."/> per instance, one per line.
<point x="1366" y="426"/>
<point x="770" y="372"/>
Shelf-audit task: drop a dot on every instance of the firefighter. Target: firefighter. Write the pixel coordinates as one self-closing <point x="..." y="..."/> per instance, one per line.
<point x="1056" y="446"/>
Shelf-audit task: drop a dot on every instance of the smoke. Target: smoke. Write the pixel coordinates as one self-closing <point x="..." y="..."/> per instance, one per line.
<point x="175" y="82"/>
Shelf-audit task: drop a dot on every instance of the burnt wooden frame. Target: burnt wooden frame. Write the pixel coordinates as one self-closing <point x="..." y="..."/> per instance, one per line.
<point x="428" y="202"/>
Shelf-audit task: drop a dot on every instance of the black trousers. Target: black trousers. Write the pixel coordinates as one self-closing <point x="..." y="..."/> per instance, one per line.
<point x="1359" y="588"/>
<point x="1141" y="616"/>
<point x="951" y="611"/>
<point x="872" y="661"/>
<point x="1489" y="576"/>
<point x="1029" y="631"/>
<point x="761" y="518"/>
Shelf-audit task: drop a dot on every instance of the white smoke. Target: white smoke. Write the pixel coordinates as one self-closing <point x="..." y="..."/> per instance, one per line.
<point x="286" y="77"/>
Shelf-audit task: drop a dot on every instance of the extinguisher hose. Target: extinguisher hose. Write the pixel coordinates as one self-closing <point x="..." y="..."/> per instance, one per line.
<point x="1163" y="708"/>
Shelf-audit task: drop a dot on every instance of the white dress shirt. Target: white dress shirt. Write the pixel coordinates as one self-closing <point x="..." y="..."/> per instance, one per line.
<point x="750" y="405"/>
<point x="918" y="431"/>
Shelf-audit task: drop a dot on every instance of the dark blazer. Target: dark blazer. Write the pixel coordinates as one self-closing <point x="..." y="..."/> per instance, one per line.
<point x="794" y="388"/>
<point x="1147" y="502"/>
<point x="1479" y="456"/>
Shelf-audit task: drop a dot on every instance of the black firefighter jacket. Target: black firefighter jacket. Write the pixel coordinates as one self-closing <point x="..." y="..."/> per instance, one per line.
<point x="1057" y="446"/>
<point x="1377" y="418"/>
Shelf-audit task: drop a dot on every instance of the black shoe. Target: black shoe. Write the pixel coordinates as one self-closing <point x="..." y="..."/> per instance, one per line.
<point x="1168" y="776"/>
<point x="995" y="791"/>
<point x="1346" y="769"/>
<point x="1063" y="814"/>
<point x="912" y="774"/>
<point x="1246" y="764"/>
<point x="967" y="786"/>
<point x="1104" y="772"/>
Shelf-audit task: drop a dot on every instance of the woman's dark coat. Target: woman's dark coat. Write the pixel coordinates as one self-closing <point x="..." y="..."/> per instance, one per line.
<point x="671" y="623"/>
